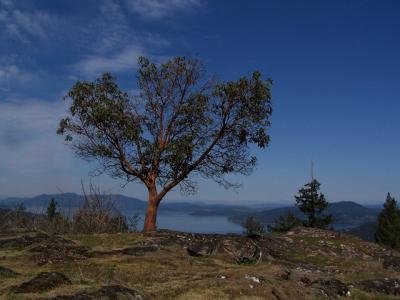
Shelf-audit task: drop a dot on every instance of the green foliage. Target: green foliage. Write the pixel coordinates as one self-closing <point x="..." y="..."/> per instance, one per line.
<point x="52" y="210"/>
<point x="388" y="231"/>
<point x="253" y="228"/>
<point x="312" y="204"/>
<point x="181" y="124"/>
<point x="285" y="223"/>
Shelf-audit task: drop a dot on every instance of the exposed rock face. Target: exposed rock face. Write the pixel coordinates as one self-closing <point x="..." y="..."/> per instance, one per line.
<point x="334" y="288"/>
<point x="386" y="285"/>
<point x="336" y="244"/>
<point x="324" y="242"/>
<point x="241" y="250"/>
<point x="58" y="253"/>
<point x="111" y="292"/>
<point x="202" y="247"/>
<point x="42" y="282"/>
<point x="134" y="251"/>
<point x="331" y="288"/>
<point x="392" y="262"/>
<point x="237" y="248"/>
<point x="30" y="239"/>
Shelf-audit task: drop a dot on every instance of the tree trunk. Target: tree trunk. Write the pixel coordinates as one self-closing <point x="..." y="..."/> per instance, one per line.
<point x="150" y="221"/>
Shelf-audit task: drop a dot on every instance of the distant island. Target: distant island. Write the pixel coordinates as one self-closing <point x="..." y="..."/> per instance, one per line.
<point x="361" y="221"/>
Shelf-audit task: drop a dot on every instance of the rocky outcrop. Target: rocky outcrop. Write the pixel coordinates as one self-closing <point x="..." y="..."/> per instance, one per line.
<point x="303" y="262"/>
<point x="392" y="263"/>
<point x="333" y="288"/>
<point x="42" y="282"/>
<point x="47" y="253"/>
<point x="133" y="251"/>
<point x="29" y="239"/>
<point x="388" y="286"/>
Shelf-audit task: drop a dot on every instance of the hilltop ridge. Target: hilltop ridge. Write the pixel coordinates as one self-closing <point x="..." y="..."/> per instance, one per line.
<point x="301" y="264"/>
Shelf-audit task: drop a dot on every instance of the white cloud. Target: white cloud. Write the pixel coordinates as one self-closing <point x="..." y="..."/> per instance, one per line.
<point x="111" y="28"/>
<point x="33" y="157"/>
<point x="22" y="24"/>
<point x="11" y="75"/>
<point x="9" y="72"/>
<point x="154" y="9"/>
<point x="116" y="49"/>
<point x="95" y="65"/>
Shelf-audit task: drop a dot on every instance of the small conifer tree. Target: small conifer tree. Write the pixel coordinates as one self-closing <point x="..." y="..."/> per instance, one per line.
<point x="52" y="209"/>
<point x="312" y="204"/>
<point x="388" y="231"/>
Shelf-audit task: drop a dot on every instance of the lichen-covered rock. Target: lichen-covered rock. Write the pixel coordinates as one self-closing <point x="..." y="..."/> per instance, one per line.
<point x="392" y="262"/>
<point x="390" y="286"/>
<point x="59" y="252"/>
<point x="241" y="249"/>
<point x="134" y="251"/>
<point x="334" y="288"/>
<point x="42" y="282"/>
<point x="202" y="247"/>
<point x="29" y="239"/>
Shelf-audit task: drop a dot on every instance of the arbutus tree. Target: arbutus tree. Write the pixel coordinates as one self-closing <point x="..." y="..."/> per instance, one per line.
<point x="181" y="125"/>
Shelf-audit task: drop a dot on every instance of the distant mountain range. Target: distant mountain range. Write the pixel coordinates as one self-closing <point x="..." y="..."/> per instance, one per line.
<point x="72" y="201"/>
<point x="348" y="216"/>
<point x="344" y="213"/>
<point x="68" y="201"/>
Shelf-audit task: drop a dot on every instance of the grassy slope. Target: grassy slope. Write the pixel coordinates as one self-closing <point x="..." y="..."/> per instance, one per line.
<point x="172" y="274"/>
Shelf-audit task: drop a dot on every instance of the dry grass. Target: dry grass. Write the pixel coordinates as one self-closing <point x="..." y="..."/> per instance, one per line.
<point x="171" y="274"/>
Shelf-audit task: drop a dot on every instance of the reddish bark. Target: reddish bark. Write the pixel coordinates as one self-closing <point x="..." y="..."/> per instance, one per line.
<point x="150" y="221"/>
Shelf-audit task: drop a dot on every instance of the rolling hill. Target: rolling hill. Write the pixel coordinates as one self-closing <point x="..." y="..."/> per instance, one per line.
<point x="344" y="213"/>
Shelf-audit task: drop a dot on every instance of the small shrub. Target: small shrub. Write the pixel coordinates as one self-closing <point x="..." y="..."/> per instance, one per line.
<point x="253" y="228"/>
<point x="16" y="218"/>
<point x="285" y="223"/>
<point x="98" y="215"/>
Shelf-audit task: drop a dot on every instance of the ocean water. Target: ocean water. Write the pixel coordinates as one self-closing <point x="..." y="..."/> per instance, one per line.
<point x="197" y="224"/>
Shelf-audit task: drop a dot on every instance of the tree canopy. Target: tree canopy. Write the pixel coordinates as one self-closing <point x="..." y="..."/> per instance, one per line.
<point x="182" y="124"/>
<point x="388" y="231"/>
<point x="312" y="204"/>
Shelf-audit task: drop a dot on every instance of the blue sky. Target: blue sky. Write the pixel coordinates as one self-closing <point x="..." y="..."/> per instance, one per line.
<point x="336" y="68"/>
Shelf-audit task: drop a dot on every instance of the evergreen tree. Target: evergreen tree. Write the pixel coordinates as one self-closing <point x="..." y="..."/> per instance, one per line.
<point x="388" y="231"/>
<point x="52" y="209"/>
<point x="285" y="223"/>
<point x="312" y="204"/>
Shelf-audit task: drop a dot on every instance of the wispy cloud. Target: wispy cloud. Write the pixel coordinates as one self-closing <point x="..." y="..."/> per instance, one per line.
<point x="15" y="74"/>
<point x="95" y="65"/>
<point x="34" y="158"/>
<point x="28" y="135"/>
<point x="118" y="47"/>
<point x="20" y="24"/>
<point x="11" y="75"/>
<point x="155" y="9"/>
